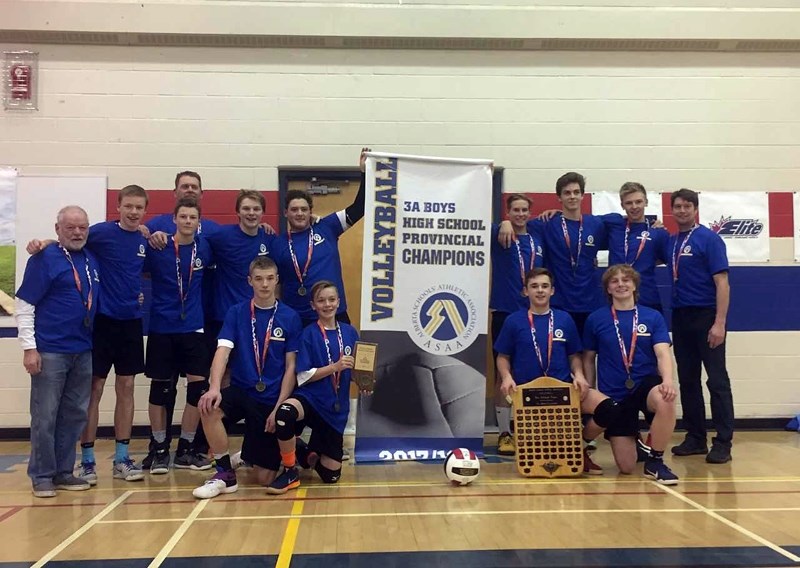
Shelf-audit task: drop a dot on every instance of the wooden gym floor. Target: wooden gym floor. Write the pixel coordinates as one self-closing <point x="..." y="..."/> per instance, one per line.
<point x="745" y="513"/>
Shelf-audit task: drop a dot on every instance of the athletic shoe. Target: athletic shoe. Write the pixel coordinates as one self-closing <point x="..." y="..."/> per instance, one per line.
<point x="127" y="470"/>
<point x="160" y="463"/>
<point x="222" y="482"/>
<point x="237" y="461"/>
<point x="505" y="445"/>
<point x="88" y="472"/>
<point x="289" y="479"/>
<point x="151" y="453"/>
<point x="690" y="447"/>
<point x="719" y="454"/>
<point x="642" y="450"/>
<point x="186" y="458"/>
<point x="658" y="471"/>
<point x="345" y="455"/>
<point x="591" y="446"/>
<point x="589" y="467"/>
<point x="44" y="489"/>
<point x="69" y="482"/>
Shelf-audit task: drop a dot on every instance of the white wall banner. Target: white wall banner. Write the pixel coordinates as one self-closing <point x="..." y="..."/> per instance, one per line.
<point x="741" y="219"/>
<point x="8" y="231"/>
<point x="425" y="302"/>
<point x="796" y="235"/>
<point x="608" y="202"/>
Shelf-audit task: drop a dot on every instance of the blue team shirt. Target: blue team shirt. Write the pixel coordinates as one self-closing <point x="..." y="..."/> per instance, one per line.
<point x="233" y="251"/>
<point x="576" y="290"/>
<point x="165" y="309"/>
<point x="600" y="336"/>
<point x="312" y="355"/>
<point x="325" y="263"/>
<point x="121" y="255"/>
<point x="284" y="338"/>
<point x="655" y="241"/>
<point x="507" y="282"/>
<point x="49" y="285"/>
<point x="700" y="258"/>
<point x="166" y="224"/>
<point x="515" y="341"/>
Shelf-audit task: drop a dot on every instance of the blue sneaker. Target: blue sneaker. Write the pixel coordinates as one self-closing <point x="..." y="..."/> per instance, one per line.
<point x="88" y="472"/>
<point x="658" y="471"/>
<point x="289" y="479"/>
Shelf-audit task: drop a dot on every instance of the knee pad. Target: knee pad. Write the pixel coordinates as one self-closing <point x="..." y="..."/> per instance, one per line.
<point x="285" y="420"/>
<point x="327" y="475"/>
<point x="194" y="390"/>
<point x="161" y="393"/>
<point x="606" y="413"/>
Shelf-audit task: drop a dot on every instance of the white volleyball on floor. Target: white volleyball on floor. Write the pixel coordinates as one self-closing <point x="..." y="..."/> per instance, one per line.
<point x="461" y="466"/>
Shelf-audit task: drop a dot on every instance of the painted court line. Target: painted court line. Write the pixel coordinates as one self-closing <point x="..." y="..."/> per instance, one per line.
<point x="731" y="524"/>
<point x="164" y="552"/>
<point x="78" y="533"/>
<point x="290" y="536"/>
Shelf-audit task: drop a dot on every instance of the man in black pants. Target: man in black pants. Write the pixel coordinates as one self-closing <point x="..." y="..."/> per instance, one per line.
<point x="700" y="298"/>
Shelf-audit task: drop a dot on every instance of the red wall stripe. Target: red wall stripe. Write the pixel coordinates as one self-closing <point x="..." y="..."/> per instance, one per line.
<point x="781" y="214"/>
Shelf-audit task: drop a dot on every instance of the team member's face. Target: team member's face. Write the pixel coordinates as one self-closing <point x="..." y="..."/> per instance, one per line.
<point x="621" y="286"/>
<point x="72" y="230"/>
<point x="298" y="213"/>
<point x="131" y="212"/>
<point x="263" y="281"/>
<point x="250" y="213"/>
<point x="634" y="204"/>
<point x="326" y="302"/>
<point x="539" y="290"/>
<point x="518" y="213"/>
<point x="187" y="219"/>
<point x="188" y="186"/>
<point x="684" y="212"/>
<point x="571" y="197"/>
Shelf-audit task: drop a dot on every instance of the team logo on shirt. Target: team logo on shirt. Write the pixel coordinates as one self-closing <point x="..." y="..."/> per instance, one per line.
<point x="645" y="236"/>
<point x="539" y="250"/>
<point x="641" y="328"/>
<point x="443" y="320"/>
<point x="141" y="251"/>
<point x="262" y="249"/>
<point x="737" y="228"/>
<point x="558" y="335"/>
<point x="318" y="239"/>
<point x="198" y="263"/>
<point x="348" y="350"/>
<point x="96" y="276"/>
<point x="687" y="251"/>
<point x="277" y="333"/>
<point x="590" y="241"/>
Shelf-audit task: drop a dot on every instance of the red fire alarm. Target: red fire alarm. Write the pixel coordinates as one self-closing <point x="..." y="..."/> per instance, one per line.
<point x="21" y="82"/>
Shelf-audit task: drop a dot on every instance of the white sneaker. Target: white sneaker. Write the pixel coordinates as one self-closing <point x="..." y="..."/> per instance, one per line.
<point x="127" y="470"/>
<point x="222" y="482"/>
<point x="236" y="461"/>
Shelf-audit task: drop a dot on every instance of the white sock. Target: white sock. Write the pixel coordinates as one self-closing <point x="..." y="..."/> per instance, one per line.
<point x="503" y="414"/>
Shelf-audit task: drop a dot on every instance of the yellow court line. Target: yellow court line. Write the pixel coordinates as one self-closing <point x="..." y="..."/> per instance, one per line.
<point x="290" y="536"/>
<point x="173" y="541"/>
<point x="78" y="533"/>
<point x="731" y="524"/>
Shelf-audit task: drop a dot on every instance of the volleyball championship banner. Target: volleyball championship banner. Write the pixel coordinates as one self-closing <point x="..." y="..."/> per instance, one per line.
<point x="8" y="232"/>
<point x="741" y="219"/>
<point x="425" y="290"/>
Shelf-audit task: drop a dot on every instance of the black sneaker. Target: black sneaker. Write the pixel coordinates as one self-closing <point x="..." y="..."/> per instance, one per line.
<point x="642" y="450"/>
<point x="719" y="453"/>
<point x="690" y="447"/>
<point x="160" y="464"/>
<point x="305" y="458"/>
<point x="183" y="455"/>
<point x="151" y="453"/>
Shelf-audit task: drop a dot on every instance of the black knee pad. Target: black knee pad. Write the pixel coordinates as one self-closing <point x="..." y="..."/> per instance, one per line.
<point x="194" y="390"/>
<point x="161" y="392"/>
<point x="285" y="420"/>
<point x="327" y="475"/>
<point x="606" y="413"/>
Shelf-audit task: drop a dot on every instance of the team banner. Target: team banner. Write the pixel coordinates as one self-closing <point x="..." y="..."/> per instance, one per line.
<point x="741" y="219"/>
<point x="608" y="202"/>
<point x="8" y="232"/>
<point x="796" y="226"/>
<point x="424" y="301"/>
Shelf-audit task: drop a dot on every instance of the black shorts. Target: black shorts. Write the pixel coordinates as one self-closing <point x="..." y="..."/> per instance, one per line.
<point x="171" y="353"/>
<point x="627" y="423"/>
<point x="211" y="329"/>
<point x="258" y="447"/>
<point x="119" y="344"/>
<point x="325" y="439"/>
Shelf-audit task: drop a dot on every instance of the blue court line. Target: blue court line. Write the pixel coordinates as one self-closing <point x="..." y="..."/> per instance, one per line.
<point x="705" y="557"/>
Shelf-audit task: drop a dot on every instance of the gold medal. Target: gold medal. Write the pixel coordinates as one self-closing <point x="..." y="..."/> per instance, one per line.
<point x="261" y="386"/>
<point x="301" y="291"/>
<point x="629" y="384"/>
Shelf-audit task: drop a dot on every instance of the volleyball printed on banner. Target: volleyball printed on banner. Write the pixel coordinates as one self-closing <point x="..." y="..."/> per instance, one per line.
<point x="461" y="466"/>
<point x="741" y="219"/>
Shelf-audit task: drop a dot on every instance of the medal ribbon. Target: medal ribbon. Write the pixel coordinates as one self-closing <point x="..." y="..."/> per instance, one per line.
<point x="88" y="302"/>
<point x="336" y="376"/>
<point x="676" y="252"/>
<point x="549" y="341"/>
<point x="296" y="265"/>
<point x="641" y="244"/>
<point x="627" y="358"/>
<point x="573" y="261"/>
<point x="261" y="356"/>
<point x="522" y="270"/>
<point x="181" y="295"/>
